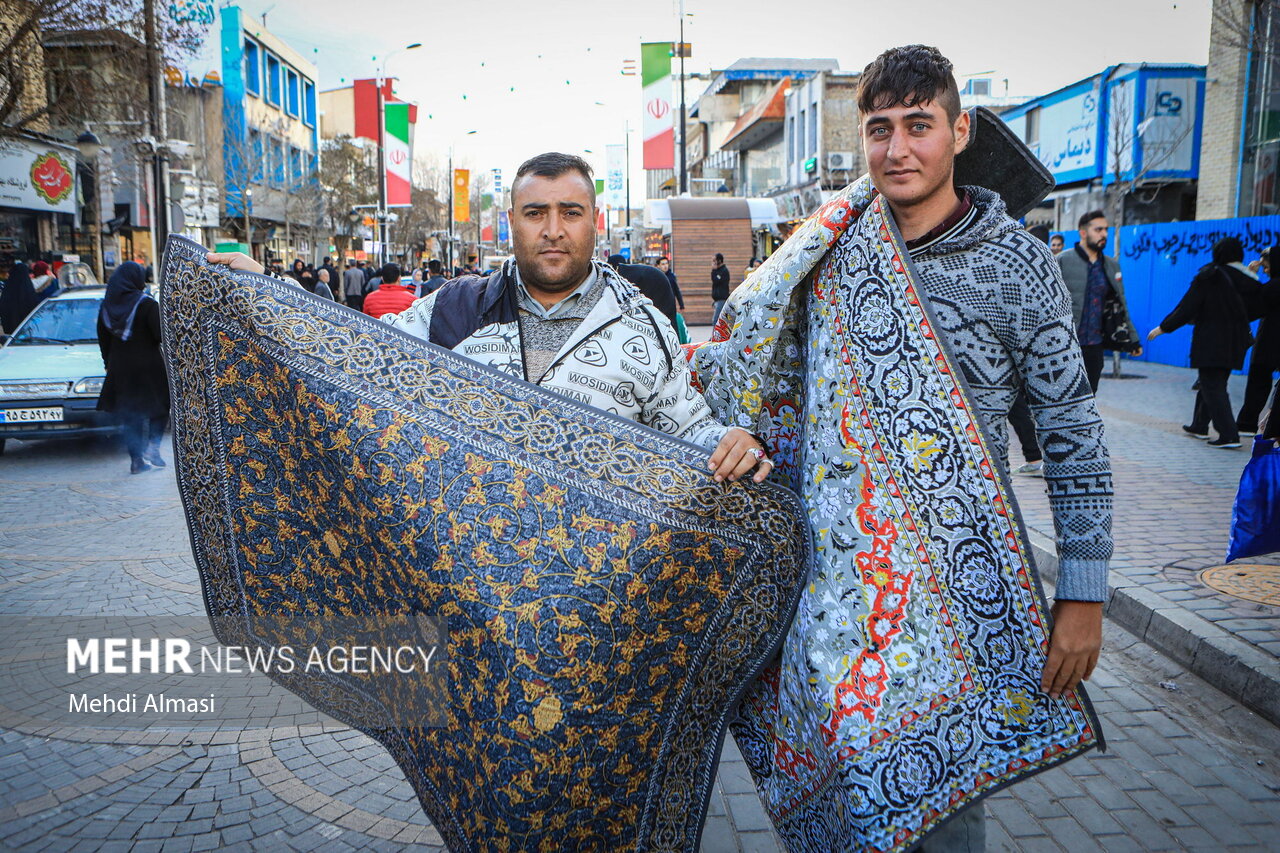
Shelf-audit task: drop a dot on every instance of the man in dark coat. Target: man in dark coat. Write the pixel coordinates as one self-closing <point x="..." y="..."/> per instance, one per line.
<point x="1098" y="305"/>
<point x="651" y="282"/>
<point x="664" y="266"/>
<point x="136" y="388"/>
<point x="1217" y="304"/>
<point x="719" y="286"/>
<point x="1265" y="359"/>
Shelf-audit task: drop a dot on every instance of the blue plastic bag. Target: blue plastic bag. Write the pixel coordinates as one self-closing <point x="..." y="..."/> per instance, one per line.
<point x="1255" y="519"/>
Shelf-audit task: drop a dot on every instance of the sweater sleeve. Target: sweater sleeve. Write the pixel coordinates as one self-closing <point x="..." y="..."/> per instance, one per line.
<point x="1077" y="468"/>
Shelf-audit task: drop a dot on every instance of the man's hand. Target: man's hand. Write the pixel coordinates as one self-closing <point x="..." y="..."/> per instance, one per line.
<point x="1137" y="352"/>
<point x="235" y="260"/>
<point x="1155" y="333"/>
<point x="1073" y="645"/>
<point x="734" y="457"/>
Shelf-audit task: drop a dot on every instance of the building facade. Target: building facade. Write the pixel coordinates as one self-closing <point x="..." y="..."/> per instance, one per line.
<point x="271" y="142"/>
<point x="1242" y="104"/>
<point x="1126" y="140"/>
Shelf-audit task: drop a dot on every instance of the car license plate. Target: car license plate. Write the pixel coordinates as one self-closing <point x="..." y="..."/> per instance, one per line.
<point x="20" y="416"/>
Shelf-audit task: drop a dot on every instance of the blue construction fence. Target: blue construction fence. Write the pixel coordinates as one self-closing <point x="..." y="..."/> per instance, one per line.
<point x="1158" y="262"/>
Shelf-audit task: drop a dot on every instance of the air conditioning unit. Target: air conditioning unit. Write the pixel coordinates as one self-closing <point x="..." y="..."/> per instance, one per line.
<point x="837" y="160"/>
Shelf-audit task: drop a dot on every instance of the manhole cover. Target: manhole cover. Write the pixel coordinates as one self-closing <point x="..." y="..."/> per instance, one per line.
<point x="1245" y="580"/>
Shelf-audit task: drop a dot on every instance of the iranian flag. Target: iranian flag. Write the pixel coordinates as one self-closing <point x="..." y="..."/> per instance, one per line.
<point x="397" y="146"/>
<point x="659" y="128"/>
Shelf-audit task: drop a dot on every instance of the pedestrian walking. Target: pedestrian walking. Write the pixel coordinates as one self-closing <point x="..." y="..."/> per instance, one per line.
<point x="417" y="282"/>
<point x="136" y="389"/>
<point x="1217" y="304"/>
<point x="1264" y="361"/>
<point x="327" y="264"/>
<point x="353" y="285"/>
<point x="664" y="264"/>
<point x="44" y="282"/>
<point x="1098" y="305"/>
<point x="18" y="299"/>
<point x="719" y="286"/>
<point x="391" y="297"/>
<point x="436" y="278"/>
<point x="322" y="287"/>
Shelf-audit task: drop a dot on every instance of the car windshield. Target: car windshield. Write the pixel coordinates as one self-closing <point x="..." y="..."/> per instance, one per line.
<point x="60" y="321"/>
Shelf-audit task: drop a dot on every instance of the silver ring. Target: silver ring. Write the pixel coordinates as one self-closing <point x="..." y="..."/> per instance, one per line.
<point x="758" y="454"/>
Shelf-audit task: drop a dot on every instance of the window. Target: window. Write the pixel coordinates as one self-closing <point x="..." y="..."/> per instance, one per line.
<point x="803" y="123"/>
<point x="291" y="92"/>
<point x="252" y="70"/>
<point x="276" y="165"/>
<point x="813" y="128"/>
<point x="308" y="102"/>
<point x="791" y="139"/>
<point x="295" y="166"/>
<point x="255" y="152"/>
<point x="980" y="87"/>
<point x="1033" y="126"/>
<point x="272" y="84"/>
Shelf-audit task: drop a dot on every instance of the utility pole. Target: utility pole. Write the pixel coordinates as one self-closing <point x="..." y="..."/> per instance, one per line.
<point x="380" y="218"/>
<point x="449" y="239"/>
<point x="158" y="129"/>
<point x="626" y="137"/>
<point x="684" y="124"/>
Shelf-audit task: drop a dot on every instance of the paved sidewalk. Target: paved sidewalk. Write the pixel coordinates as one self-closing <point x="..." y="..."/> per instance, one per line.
<point x="1173" y="506"/>
<point x="81" y="540"/>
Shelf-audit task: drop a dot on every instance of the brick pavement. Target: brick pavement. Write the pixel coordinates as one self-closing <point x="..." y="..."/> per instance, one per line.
<point x="81" y="540"/>
<point x="1173" y="498"/>
<point x="1172" y="516"/>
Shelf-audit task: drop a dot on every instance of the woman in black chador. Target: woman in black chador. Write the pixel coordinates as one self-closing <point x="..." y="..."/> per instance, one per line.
<point x="136" y="388"/>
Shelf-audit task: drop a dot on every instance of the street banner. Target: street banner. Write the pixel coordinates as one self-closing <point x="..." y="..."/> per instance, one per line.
<point x="461" y="195"/>
<point x="615" y="182"/>
<point x="655" y="98"/>
<point x="398" y="151"/>
<point x="504" y="227"/>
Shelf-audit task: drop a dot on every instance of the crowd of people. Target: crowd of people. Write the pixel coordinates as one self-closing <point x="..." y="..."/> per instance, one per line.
<point x="24" y="289"/>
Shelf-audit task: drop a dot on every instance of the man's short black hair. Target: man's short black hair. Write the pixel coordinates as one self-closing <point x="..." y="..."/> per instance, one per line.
<point x="435" y="266"/>
<point x="719" y="258"/>
<point x="391" y="273"/>
<point x="1040" y="232"/>
<point x="1089" y="217"/>
<point x="552" y="165"/>
<point x="906" y="76"/>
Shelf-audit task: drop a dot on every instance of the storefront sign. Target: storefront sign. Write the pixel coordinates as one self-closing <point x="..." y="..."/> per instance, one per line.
<point x="36" y="176"/>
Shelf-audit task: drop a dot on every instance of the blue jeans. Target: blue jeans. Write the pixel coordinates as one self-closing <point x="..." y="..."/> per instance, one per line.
<point x="717" y="307"/>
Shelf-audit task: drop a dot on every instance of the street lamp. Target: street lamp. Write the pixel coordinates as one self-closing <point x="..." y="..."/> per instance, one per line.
<point x="382" y="161"/>
<point x="90" y="147"/>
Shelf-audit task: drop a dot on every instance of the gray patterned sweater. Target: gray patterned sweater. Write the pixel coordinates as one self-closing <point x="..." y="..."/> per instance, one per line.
<point x="998" y="295"/>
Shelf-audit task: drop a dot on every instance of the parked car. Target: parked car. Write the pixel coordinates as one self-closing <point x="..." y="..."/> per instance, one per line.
<point x="51" y="371"/>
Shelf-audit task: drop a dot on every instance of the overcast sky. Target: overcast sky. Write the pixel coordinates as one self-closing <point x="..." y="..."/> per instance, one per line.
<point x="540" y="76"/>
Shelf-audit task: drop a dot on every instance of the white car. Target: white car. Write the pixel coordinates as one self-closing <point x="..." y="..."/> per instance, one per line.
<point x="51" y="371"/>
